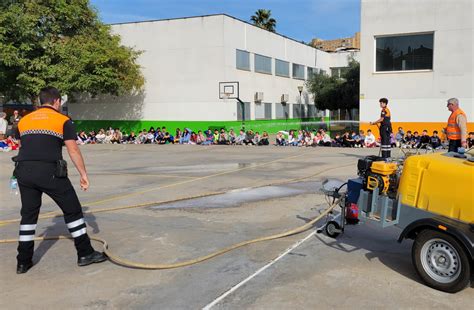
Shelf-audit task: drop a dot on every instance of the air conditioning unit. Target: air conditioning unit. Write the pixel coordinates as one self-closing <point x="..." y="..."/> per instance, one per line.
<point x="285" y="98"/>
<point x="258" y="97"/>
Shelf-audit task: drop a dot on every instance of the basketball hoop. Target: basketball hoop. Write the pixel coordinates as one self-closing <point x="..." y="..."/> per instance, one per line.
<point x="228" y="90"/>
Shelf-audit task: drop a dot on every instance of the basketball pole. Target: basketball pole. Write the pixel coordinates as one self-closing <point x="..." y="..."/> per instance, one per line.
<point x="242" y="104"/>
<point x="231" y="89"/>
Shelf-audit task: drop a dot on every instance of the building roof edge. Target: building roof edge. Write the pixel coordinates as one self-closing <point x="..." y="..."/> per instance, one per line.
<point x="213" y="15"/>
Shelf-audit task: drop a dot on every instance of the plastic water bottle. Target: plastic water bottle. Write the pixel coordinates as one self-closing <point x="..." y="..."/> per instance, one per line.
<point x="13" y="185"/>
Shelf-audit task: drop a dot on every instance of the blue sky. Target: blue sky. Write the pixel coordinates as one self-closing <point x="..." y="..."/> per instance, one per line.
<point x="298" y="19"/>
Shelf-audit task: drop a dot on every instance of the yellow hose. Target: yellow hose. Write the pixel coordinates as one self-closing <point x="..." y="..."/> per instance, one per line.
<point x="131" y="264"/>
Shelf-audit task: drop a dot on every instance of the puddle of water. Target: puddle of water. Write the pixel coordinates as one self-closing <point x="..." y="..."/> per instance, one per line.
<point x="190" y="168"/>
<point x="243" y="195"/>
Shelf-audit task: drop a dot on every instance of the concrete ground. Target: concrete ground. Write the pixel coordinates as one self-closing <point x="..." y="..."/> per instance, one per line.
<point x="365" y="268"/>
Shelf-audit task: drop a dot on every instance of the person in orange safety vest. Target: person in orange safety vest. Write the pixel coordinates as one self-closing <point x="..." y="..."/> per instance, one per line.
<point x="456" y="131"/>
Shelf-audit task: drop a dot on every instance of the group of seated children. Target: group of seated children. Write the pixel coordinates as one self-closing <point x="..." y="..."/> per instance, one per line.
<point x="222" y="137"/>
<point x="249" y="137"/>
<point x="162" y="136"/>
<point x="8" y="144"/>
<point x="115" y="136"/>
<point x="416" y="141"/>
<point x="322" y="138"/>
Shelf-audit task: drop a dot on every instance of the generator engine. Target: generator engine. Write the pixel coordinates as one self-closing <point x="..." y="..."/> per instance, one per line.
<point x="376" y="173"/>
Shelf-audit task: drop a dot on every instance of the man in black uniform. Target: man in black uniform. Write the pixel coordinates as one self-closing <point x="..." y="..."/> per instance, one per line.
<point x="40" y="169"/>
<point x="385" y="128"/>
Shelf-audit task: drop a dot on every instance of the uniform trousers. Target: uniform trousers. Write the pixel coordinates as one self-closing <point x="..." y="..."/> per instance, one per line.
<point x="385" y="141"/>
<point x="34" y="179"/>
<point x="454" y="145"/>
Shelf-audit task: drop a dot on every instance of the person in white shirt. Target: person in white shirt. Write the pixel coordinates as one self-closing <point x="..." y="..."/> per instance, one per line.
<point x="100" y="137"/>
<point x="325" y="138"/>
<point x="109" y="135"/>
<point x="240" y="138"/>
<point x="3" y="125"/>
<point x="369" y="140"/>
<point x="291" y="139"/>
<point x="150" y="137"/>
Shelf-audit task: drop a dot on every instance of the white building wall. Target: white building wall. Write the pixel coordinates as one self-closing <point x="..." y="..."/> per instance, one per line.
<point x="183" y="60"/>
<point x="416" y="97"/>
<point x="340" y="58"/>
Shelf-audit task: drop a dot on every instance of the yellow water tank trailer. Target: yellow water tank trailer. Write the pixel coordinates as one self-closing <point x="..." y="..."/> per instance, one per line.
<point x="440" y="184"/>
<point x="434" y="206"/>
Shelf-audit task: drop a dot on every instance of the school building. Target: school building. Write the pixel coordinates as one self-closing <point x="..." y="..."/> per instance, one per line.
<point x="187" y="64"/>
<point x="417" y="54"/>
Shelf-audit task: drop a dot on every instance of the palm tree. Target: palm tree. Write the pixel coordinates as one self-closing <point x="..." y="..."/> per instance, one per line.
<point x="263" y="20"/>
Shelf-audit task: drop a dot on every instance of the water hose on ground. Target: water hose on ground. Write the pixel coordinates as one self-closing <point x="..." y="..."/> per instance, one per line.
<point x="131" y="264"/>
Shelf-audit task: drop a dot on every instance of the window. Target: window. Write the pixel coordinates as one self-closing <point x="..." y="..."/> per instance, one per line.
<point x="263" y="111"/>
<point x="246" y="107"/>
<point x="406" y="52"/>
<point x="312" y="112"/>
<point x="242" y="60"/>
<point x="282" y="110"/>
<point x="282" y="68"/>
<point x="311" y="71"/>
<point x="298" y="71"/>
<point x="339" y="71"/>
<point x="298" y="110"/>
<point x="263" y="64"/>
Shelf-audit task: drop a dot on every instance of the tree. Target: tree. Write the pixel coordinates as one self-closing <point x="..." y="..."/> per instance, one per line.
<point x="334" y="93"/>
<point x="325" y="90"/>
<point x="63" y="44"/>
<point x="263" y="20"/>
<point x="350" y="88"/>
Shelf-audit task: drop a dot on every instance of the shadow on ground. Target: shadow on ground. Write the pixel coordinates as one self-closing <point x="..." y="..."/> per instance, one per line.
<point x="58" y="228"/>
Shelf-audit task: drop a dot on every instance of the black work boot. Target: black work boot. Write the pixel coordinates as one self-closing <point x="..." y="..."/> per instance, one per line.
<point x="23" y="268"/>
<point x="94" y="257"/>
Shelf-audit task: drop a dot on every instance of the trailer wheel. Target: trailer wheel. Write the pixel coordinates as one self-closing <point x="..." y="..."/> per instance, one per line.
<point x="440" y="261"/>
<point x="333" y="229"/>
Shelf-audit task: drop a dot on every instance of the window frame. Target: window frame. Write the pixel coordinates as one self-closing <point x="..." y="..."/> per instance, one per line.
<point x="255" y="64"/>
<point x="285" y="108"/>
<point x="340" y="71"/>
<point x="315" y="110"/>
<point x="313" y="72"/>
<point x="265" y="106"/>
<point x="298" y="107"/>
<point x="374" y="71"/>
<point x="293" y="71"/>
<point x="247" y="107"/>
<point x="288" y="63"/>
<point x="236" y="65"/>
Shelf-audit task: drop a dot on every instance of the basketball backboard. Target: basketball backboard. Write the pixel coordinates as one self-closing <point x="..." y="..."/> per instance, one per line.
<point x="228" y="90"/>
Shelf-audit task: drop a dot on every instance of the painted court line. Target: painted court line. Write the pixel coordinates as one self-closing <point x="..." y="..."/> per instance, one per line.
<point x="256" y="273"/>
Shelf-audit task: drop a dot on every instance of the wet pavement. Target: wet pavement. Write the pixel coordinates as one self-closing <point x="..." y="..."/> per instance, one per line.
<point x="236" y="197"/>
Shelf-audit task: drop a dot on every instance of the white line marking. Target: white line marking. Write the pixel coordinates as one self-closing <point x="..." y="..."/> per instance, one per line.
<point x="256" y="273"/>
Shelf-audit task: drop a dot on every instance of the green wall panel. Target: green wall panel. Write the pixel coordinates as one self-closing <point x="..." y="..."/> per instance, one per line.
<point x="271" y="126"/>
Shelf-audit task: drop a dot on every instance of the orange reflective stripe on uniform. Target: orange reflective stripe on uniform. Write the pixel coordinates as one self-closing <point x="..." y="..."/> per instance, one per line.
<point x="453" y="132"/>
<point x="44" y="121"/>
